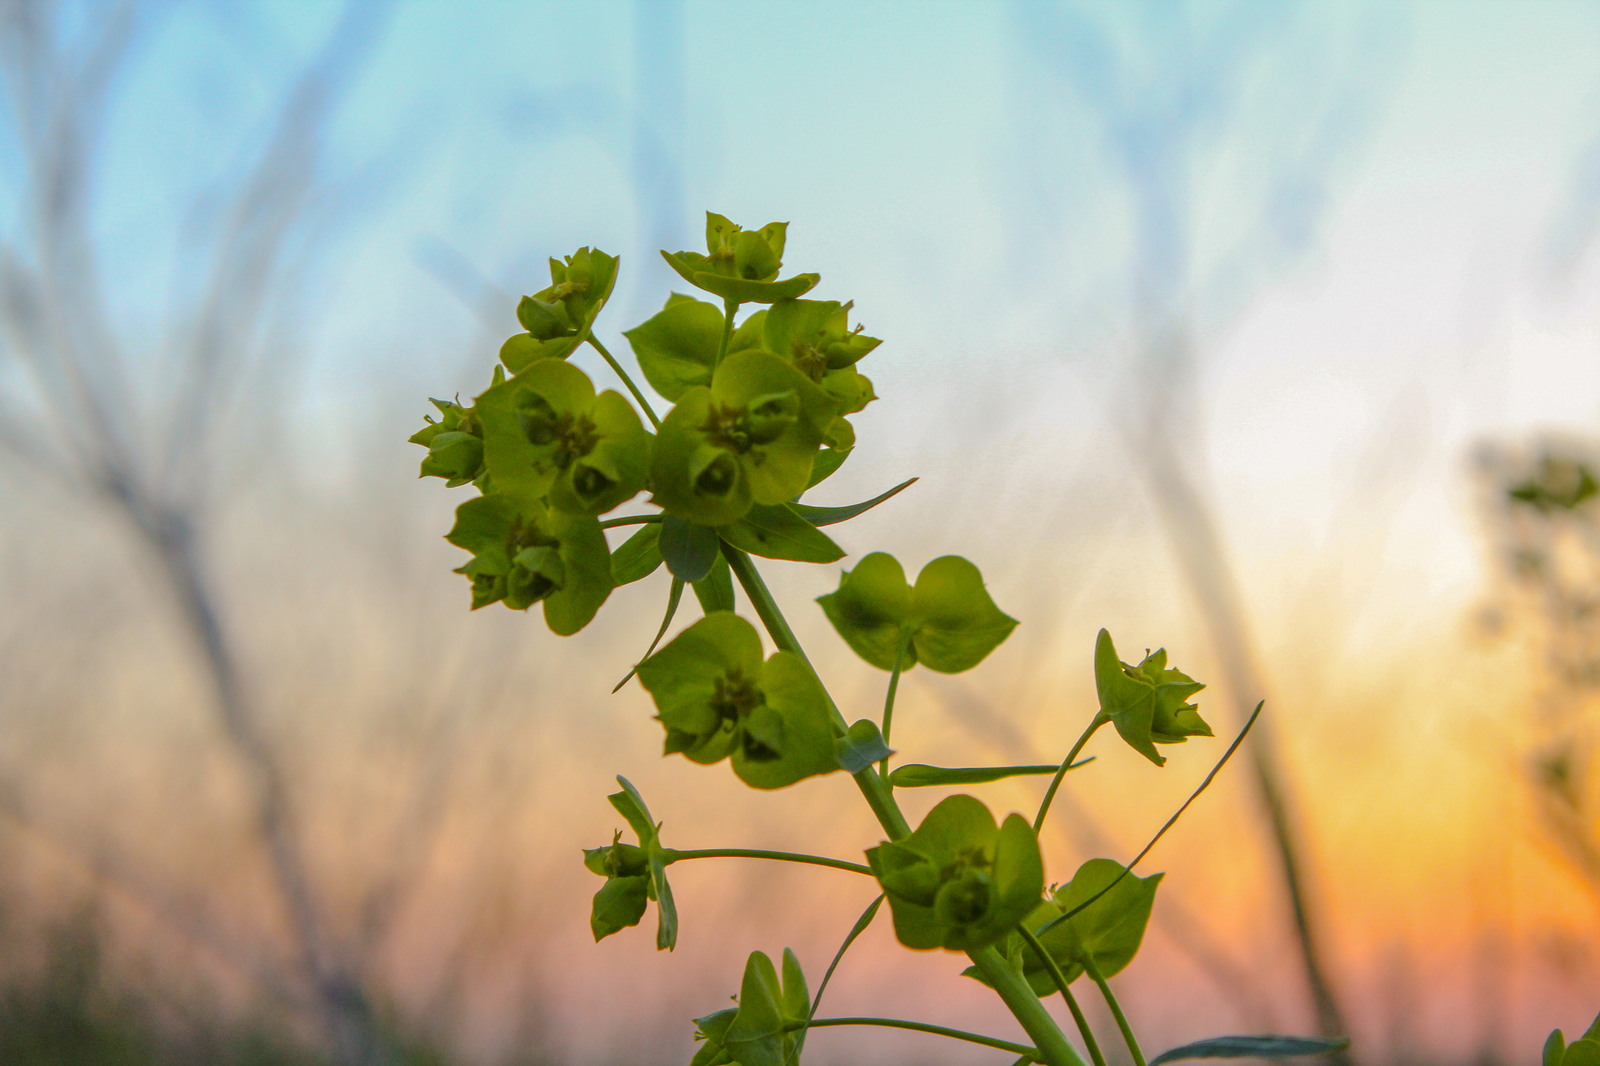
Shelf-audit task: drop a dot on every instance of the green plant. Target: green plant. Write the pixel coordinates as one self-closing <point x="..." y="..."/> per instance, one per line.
<point x="760" y="415"/>
<point x="1584" y="1051"/>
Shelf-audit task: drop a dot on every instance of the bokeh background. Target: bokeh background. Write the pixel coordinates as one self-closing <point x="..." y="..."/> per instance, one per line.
<point x="1227" y="326"/>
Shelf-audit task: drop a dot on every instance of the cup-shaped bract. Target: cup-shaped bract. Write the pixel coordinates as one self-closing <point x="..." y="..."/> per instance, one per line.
<point x="960" y="882"/>
<point x="717" y="699"/>
<point x="634" y="875"/>
<point x="815" y="337"/>
<point x="1147" y="703"/>
<point x="525" y="553"/>
<point x="546" y="433"/>
<point x="766" y="1028"/>
<point x="454" y="443"/>
<point x="947" y="621"/>
<point x="740" y="265"/>
<point x="1107" y="932"/>
<point x="749" y="438"/>
<point x="558" y="318"/>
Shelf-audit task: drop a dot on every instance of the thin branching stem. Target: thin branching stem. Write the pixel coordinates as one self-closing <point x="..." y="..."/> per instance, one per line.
<point x="672" y="856"/>
<point x="1064" y="987"/>
<point x="626" y="380"/>
<point x="938" y="1030"/>
<point x="1116" y="1009"/>
<point x="1100" y="719"/>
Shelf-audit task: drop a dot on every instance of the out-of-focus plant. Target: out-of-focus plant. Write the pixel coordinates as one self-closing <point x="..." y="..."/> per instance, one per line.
<point x="1543" y="518"/>
<point x="759" y="417"/>
<point x="1584" y="1051"/>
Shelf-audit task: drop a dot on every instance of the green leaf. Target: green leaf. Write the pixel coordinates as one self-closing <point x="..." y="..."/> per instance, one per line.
<point x="828" y="460"/>
<point x="620" y="903"/>
<point x="1252" y="1047"/>
<point x="755" y="292"/>
<point x="712" y="1029"/>
<point x="1110" y="929"/>
<point x="689" y="549"/>
<point x="631" y="806"/>
<point x="674" y="595"/>
<point x="1593" y="1032"/>
<point x="918" y="775"/>
<point x="715" y="590"/>
<point x="957" y="624"/>
<point x="780" y="533"/>
<point x="862" y="746"/>
<point x="756" y="1036"/>
<point x="789" y="736"/>
<point x="716" y="698"/>
<point x="678" y="346"/>
<point x="666" y="909"/>
<point x="827" y="516"/>
<point x="1146" y="702"/>
<point x="872" y="609"/>
<point x="960" y="882"/>
<point x="1582" y="1052"/>
<point x="638" y="556"/>
<point x="1555" y="1046"/>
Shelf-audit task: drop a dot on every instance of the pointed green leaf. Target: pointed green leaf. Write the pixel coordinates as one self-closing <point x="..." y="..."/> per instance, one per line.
<point x="1111" y="928"/>
<point x="711" y="1030"/>
<point x="677" y="347"/>
<point x="755" y="292"/>
<point x="1251" y="1047"/>
<point x="862" y="746"/>
<point x="827" y="516"/>
<point x="917" y="775"/>
<point x="828" y="460"/>
<point x="780" y="533"/>
<point x="666" y="909"/>
<point x="796" y="997"/>
<point x="1593" y="1032"/>
<point x="638" y="556"/>
<point x="631" y="806"/>
<point x="689" y="549"/>
<point x="756" y="1036"/>
<point x="620" y="903"/>
<point x="715" y="590"/>
<point x="674" y="595"/>
<point x="1555" y="1046"/>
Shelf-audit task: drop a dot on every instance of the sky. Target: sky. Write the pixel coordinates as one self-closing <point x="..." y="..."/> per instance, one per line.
<point x="1372" y="210"/>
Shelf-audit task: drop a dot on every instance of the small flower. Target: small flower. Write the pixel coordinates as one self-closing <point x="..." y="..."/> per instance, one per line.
<point x="740" y="264"/>
<point x="1146" y="702"/>
<point x="559" y="318"/>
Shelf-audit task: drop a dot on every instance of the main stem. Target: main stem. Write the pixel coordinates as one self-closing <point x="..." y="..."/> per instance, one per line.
<point x="1012" y="989"/>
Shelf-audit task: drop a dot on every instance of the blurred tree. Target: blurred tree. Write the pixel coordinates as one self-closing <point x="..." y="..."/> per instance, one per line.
<point x="1224" y="127"/>
<point x="149" y="422"/>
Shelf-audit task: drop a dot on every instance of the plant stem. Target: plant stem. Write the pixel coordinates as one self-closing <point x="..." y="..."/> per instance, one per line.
<point x="673" y="855"/>
<point x="1019" y="998"/>
<point x="1100" y="719"/>
<point x="1116" y="1010"/>
<point x="937" y="1030"/>
<point x="1026" y="1007"/>
<point x="630" y="520"/>
<point x="888" y="701"/>
<point x="626" y="380"/>
<point x="873" y="787"/>
<point x="730" y="306"/>
<point x="1063" y="986"/>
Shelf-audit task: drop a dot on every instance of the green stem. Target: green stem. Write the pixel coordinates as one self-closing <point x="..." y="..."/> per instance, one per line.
<point x="888" y="701"/>
<point x="626" y="380"/>
<point x="730" y="306"/>
<point x="672" y="855"/>
<point x="1100" y="719"/>
<point x="1116" y="1010"/>
<point x="630" y="520"/>
<point x="1065" y="989"/>
<point x="1035" y="1020"/>
<point x="937" y="1030"/>
<point x="873" y="787"/>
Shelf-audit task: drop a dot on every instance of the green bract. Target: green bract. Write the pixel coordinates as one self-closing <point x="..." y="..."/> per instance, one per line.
<point x="948" y="622"/>
<point x="741" y="264"/>
<point x="546" y="433"/>
<point x="959" y="882"/>
<point x="813" y="335"/>
<point x="1146" y="702"/>
<point x="558" y="319"/>
<point x="454" y="443"/>
<point x="1107" y="932"/>
<point x="765" y="1028"/>
<point x="717" y="699"/>
<point x="633" y="875"/>
<point x="750" y="438"/>
<point x="524" y="553"/>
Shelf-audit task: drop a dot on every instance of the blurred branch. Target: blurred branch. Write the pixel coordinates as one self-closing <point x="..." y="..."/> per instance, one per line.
<point x="157" y="476"/>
